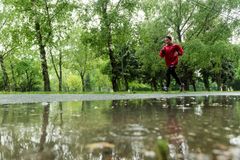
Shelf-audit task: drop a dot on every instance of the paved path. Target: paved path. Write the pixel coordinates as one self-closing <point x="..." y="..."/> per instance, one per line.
<point x="37" y="98"/>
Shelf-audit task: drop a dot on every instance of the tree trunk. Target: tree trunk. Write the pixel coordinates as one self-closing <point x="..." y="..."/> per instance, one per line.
<point x="60" y="72"/>
<point x="206" y="82"/>
<point x="107" y="28"/>
<point x="5" y="76"/>
<point x="162" y="83"/>
<point x="224" y="87"/>
<point x="13" y="77"/>
<point x="83" y="82"/>
<point x="43" y="57"/>
<point x="219" y="87"/>
<point x="186" y="85"/>
<point x="194" y="85"/>
<point x="179" y="21"/>
<point x="219" y="82"/>
<point x="126" y="83"/>
<point x="154" y="84"/>
<point x="28" y="86"/>
<point x="179" y="36"/>
<point x="113" y="63"/>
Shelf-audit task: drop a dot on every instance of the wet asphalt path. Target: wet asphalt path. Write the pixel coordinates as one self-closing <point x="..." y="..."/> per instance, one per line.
<point x="38" y="98"/>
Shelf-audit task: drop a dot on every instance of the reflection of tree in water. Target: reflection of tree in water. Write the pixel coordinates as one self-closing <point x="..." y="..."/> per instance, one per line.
<point x="119" y="116"/>
<point x="60" y="149"/>
<point x="128" y="120"/>
<point x="5" y="113"/>
<point x="124" y="120"/>
<point x="85" y="106"/>
<point x="206" y="101"/>
<point x="17" y="131"/>
<point x="178" y="146"/>
<point x="44" y="127"/>
<point x="127" y="117"/>
<point x="61" y="114"/>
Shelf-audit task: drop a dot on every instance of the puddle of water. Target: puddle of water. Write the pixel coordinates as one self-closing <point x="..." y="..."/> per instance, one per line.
<point x="177" y="128"/>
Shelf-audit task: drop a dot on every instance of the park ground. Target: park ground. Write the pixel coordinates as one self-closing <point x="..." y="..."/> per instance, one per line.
<point x="40" y="97"/>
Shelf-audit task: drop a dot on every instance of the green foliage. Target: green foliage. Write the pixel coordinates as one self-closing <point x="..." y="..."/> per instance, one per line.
<point x="152" y="67"/>
<point x="28" y="75"/>
<point x="73" y="83"/>
<point x="103" y="45"/>
<point x="136" y="86"/>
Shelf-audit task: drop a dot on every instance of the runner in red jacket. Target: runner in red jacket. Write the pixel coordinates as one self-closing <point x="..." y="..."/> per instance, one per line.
<point x="171" y="52"/>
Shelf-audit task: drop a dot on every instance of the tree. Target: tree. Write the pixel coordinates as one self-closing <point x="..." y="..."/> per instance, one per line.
<point x="222" y="71"/>
<point x="178" y="15"/>
<point x="9" y="40"/>
<point x="27" y="75"/>
<point x="95" y="43"/>
<point x="153" y="68"/>
<point x="39" y="19"/>
<point x="81" y="56"/>
<point x="113" y="26"/>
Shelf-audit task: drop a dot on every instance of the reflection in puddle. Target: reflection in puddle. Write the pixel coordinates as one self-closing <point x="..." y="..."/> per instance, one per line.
<point x="235" y="140"/>
<point x="198" y="110"/>
<point x="177" y="128"/>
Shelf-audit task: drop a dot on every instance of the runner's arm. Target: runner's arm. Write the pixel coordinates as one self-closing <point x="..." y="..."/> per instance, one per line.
<point x="179" y="50"/>
<point x="162" y="53"/>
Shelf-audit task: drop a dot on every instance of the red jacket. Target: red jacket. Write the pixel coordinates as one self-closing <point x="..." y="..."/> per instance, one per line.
<point x="168" y="52"/>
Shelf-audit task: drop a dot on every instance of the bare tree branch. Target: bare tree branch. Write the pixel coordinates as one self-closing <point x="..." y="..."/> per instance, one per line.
<point x="188" y="19"/>
<point x="3" y="24"/>
<point x="54" y="65"/>
<point x="190" y="25"/>
<point x="118" y="4"/>
<point x="48" y="21"/>
<point x="8" y="51"/>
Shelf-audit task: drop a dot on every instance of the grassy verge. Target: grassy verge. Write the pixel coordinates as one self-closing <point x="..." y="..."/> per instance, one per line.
<point x="135" y="92"/>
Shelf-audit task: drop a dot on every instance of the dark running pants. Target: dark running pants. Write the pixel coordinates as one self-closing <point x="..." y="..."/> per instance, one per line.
<point x="171" y="71"/>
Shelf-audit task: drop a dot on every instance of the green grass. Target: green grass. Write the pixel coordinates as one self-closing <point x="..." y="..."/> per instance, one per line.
<point x="121" y="92"/>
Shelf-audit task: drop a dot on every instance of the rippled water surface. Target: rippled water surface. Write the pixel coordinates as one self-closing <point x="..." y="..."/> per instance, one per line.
<point x="176" y="128"/>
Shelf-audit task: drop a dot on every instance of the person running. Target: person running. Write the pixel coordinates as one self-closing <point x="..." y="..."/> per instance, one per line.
<point x="171" y="52"/>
